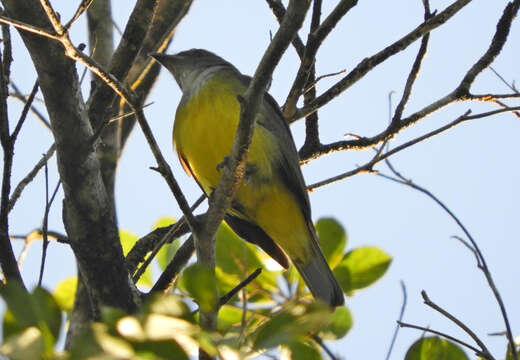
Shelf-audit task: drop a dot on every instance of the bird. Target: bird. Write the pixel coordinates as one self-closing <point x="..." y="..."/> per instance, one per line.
<point x="271" y="208"/>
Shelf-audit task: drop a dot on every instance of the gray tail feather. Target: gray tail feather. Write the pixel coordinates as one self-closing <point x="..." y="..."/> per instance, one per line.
<point x="319" y="278"/>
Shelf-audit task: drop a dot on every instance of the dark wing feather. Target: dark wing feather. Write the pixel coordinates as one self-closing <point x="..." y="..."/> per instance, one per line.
<point x="288" y="161"/>
<point x="255" y="235"/>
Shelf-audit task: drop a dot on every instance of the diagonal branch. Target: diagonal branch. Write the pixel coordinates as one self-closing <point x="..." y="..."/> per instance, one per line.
<point x="449" y="337"/>
<point x="233" y="173"/>
<point x="30" y="176"/>
<point x="461" y="92"/>
<point x="371" y="62"/>
<point x="314" y="41"/>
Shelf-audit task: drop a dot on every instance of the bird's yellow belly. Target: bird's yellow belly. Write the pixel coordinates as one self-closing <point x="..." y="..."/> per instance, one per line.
<point x="204" y="132"/>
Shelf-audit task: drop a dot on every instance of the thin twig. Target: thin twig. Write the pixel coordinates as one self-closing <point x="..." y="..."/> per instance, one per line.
<point x="166" y="238"/>
<point x="414" y="72"/>
<point x="18" y="95"/>
<point x="75" y="54"/>
<point x="369" y="63"/>
<point x="8" y="262"/>
<point x="48" y="203"/>
<point x="460" y="93"/>
<point x="180" y="259"/>
<point x="30" y="176"/>
<point x="83" y="6"/>
<point x="467" y="330"/>
<point x="324" y="346"/>
<point x="25" y="111"/>
<point x="368" y="167"/>
<point x="321" y="77"/>
<point x="481" y="261"/>
<point x="401" y="315"/>
<point x="449" y="337"/>
<point x="223" y="300"/>
<point x="226" y="297"/>
<point x="503" y="80"/>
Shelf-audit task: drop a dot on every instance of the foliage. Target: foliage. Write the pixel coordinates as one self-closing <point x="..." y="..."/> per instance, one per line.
<point x="166" y="325"/>
<point x="434" y="347"/>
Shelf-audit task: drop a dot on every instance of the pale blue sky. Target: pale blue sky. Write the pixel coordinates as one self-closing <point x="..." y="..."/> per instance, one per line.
<point x="471" y="168"/>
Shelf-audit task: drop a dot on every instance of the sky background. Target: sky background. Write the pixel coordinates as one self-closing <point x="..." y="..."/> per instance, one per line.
<point x="472" y="168"/>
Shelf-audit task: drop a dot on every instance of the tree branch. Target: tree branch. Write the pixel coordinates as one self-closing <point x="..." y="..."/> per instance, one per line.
<point x="7" y="258"/>
<point x="371" y="62"/>
<point x="449" y="337"/>
<point x="461" y="92"/>
<point x="180" y="259"/>
<point x="234" y="171"/>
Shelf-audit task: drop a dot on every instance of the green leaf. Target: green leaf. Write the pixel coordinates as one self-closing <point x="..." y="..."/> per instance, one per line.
<point x="115" y="346"/>
<point x="28" y="344"/>
<point x="85" y="345"/>
<point x="339" y="326"/>
<point x="166" y="253"/>
<point x="38" y="309"/>
<point x="166" y="304"/>
<point x="234" y="255"/>
<point x="295" y="321"/>
<point x="302" y="350"/>
<point x="434" y="347"/>
<point x="361" y="267"/>
<point x="333" y="239"/>
<point x="200" y="282"/>
<point x="235" y="259"/>
<point x="163" y="349"/>
<point x="509" y="353"/>
<point x="65" y="292"/>
<point x="19" y="315"/>
<point x="229" y="316"/>
<point x="163" y="222"/>
<point x="128" y="240"/>
<point x="49" y="315"/>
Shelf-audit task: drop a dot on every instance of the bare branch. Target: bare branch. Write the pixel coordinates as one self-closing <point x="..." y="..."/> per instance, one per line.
<point x="371" y="62"/>
<point x="18" y="95"/>
<point x="180" y="259"/>
<point x="314" y="41"/>
<point x="481" y="262"/>
<point x="45" y="222"/>
<point x="8" y="262"/>
<point x="459" y="323"/>
<point x="325" y="348"/>
<point x="226" y="297"/>
<point x="449" y="337"/>
<point x="83" y="6"/>
<point x="30" y="176"/>
<point x="401" y="315"/>
<point x="29" y="28"/>
<point x="503" y="80"/>
<point x="279" y="12"/>
<point x="414" y="72"/>
<point x="25" y="111"/>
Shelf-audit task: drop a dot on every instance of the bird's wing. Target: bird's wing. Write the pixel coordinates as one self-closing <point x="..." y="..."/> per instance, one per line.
<point x="255" y="235"/>
<point x="287" y="162"/>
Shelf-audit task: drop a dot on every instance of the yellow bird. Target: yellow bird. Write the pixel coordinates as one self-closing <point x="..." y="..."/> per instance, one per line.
<point x="271" y="209"/>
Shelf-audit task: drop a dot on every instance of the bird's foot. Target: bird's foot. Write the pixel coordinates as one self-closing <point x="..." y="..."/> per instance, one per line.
<point x="224" y="162"/>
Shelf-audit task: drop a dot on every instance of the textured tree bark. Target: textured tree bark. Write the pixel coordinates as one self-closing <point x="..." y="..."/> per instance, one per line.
<point x="88" y="213"/>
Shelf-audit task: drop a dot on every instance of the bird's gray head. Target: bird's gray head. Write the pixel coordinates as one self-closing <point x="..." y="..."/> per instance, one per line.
<point x="187" y="66"/>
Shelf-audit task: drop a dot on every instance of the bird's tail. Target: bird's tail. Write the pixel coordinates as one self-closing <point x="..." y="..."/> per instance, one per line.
<point x="317" y="275"/>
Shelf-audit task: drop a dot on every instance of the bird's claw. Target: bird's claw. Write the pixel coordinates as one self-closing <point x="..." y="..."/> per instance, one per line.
<point x="224" y="162"/>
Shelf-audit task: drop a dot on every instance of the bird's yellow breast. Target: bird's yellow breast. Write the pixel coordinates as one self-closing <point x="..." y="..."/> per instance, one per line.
<point x="204" y="131"/>
<point x="205" y="128"/>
